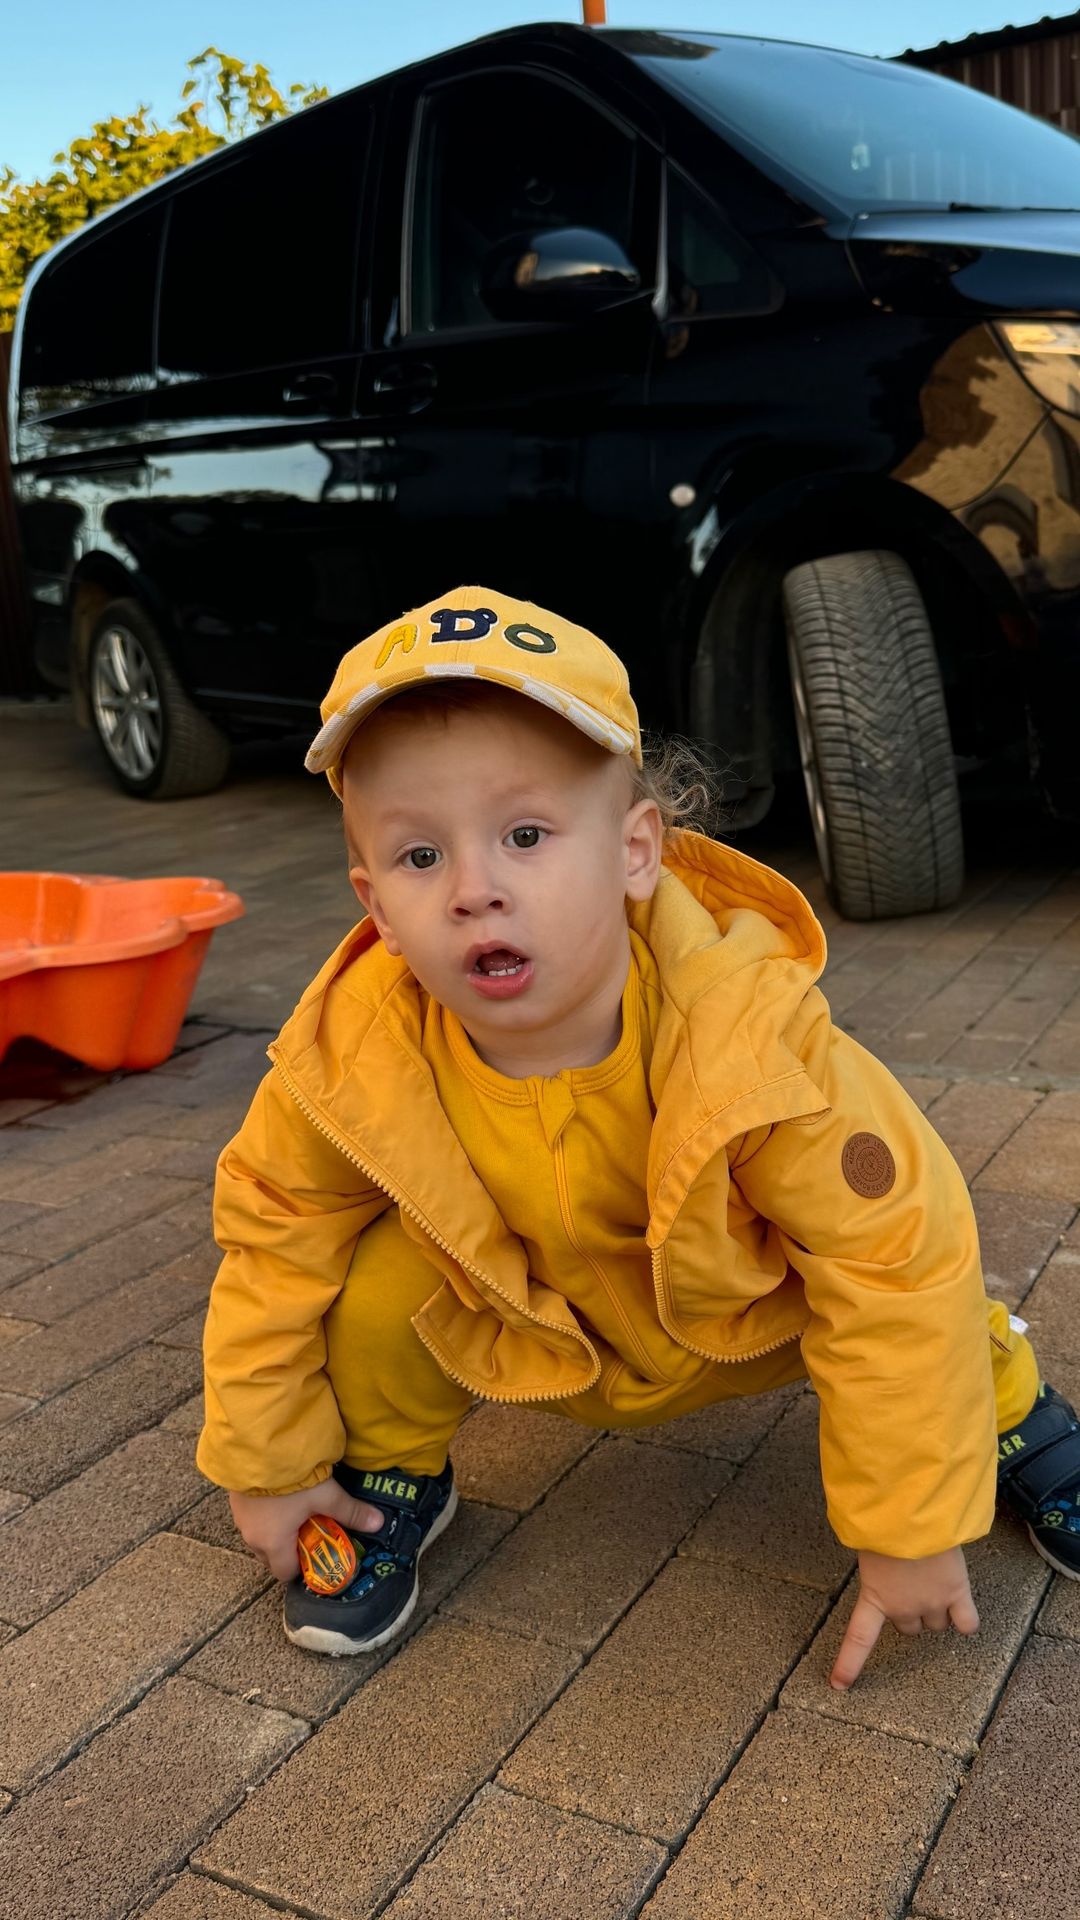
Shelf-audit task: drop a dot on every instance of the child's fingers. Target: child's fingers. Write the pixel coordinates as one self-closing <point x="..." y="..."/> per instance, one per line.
<point x="281" y="1559"/>
<point x="863" y="1633"/>
<point x="355" y="1514"/>
<point x="964" y="1616"/>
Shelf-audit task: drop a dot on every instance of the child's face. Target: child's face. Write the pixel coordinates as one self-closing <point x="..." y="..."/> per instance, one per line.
<point x="495" y="847"/>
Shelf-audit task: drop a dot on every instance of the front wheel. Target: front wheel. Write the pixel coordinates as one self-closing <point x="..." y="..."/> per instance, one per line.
<point x="873" y="735"/>
<point x="156" y="744"/>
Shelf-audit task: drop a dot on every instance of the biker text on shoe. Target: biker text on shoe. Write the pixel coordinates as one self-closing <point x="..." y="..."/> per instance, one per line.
<point x="384" y="1483"/>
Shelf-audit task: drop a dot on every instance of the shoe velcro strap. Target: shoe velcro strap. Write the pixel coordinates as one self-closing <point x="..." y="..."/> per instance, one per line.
<point x="1050" y="1459"/>
<point x="399" y="1534"/>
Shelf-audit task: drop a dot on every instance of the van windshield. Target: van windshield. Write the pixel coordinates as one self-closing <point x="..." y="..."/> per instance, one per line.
<point x="867" y="135"/>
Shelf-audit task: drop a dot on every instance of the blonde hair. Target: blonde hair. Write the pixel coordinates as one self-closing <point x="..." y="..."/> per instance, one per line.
<point x="676" y="774"/>
<point x="683" y="783"/>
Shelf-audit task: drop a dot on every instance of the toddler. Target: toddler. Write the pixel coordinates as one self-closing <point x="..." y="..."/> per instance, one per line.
<point x="564" y="1121"/>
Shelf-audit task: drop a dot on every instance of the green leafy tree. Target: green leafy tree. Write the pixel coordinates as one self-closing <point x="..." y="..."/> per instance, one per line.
<point x="122" y="154"/>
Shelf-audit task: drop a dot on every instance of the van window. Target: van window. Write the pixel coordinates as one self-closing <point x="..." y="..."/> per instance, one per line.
<point x="89" y="325"/>
<point x="710" y="267"/>
<point x="504" y="154"/>
<point x="260" y="250"/>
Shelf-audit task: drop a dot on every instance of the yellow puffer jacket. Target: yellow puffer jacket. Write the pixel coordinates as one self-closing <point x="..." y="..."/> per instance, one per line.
<point x="770" y="1219"/>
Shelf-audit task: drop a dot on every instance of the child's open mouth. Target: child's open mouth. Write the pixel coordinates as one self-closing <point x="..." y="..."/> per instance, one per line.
<point x="498" y="972"/>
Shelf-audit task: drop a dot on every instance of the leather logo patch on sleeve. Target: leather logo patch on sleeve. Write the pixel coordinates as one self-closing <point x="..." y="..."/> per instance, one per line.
<point x="869" y="1167"/>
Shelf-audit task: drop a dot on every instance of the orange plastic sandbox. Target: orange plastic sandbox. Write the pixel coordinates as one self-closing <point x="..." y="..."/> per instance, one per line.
<point x="103" y="968"/>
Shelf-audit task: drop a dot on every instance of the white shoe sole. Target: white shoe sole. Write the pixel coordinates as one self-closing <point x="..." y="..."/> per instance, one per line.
<point x="1070" y="1573"/>
<point x="322" y="1640"/>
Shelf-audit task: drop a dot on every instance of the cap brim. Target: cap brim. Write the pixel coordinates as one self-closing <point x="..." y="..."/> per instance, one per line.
<point x="328" y="747"/>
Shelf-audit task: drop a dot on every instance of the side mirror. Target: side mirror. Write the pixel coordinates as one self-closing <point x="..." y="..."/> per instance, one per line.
<point x="556" y="274"/>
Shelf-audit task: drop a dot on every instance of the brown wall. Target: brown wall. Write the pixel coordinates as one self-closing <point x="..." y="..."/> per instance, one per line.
<point x="1040" y="73"/>
<point x="16" y="673"/>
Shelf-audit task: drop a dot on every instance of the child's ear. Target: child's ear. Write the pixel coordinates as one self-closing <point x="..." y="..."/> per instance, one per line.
<point x="364" y="890"/>
<point x="643" y="846"/>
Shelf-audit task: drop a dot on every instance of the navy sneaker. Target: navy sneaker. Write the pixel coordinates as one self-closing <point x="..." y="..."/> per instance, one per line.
<point x="1039" y="1478"/>
<point x="377" y="1604"/>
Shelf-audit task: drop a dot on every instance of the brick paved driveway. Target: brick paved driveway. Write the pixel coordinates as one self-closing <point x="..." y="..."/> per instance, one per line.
<point x="613" y="1701"/>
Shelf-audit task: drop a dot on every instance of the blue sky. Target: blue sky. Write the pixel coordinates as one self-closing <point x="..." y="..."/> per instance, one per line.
<point x="67" y="63"/>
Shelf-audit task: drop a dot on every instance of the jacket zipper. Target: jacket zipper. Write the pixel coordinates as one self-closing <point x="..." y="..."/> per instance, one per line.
<point x="422" y="1221"/>
<point x="718" y="1359"/>
<point x="645" y="1365"/>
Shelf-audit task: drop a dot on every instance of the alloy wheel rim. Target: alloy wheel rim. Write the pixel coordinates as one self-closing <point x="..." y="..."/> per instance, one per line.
<point x="809" y="764"/>
<point x="126" y="702"/>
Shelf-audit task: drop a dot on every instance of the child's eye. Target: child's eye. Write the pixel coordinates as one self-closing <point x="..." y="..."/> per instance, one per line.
<point x="421" y="858"/>
<point x="525" y="837"/>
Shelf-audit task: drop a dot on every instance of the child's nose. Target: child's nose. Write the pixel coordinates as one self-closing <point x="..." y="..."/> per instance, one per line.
<point x="474" y="892"/>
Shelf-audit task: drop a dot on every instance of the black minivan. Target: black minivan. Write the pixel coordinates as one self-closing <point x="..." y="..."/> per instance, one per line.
<point x="761" y="359"/>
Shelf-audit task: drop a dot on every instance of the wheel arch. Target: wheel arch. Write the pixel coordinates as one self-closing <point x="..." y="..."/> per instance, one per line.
<point x="729" y="652"/>
<point x="97" y="578"/>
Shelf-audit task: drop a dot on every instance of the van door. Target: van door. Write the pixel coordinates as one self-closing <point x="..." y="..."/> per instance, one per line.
<point x="512" y="447"/>
<point x="84" y="369"/>
<point x="254" y="545"/>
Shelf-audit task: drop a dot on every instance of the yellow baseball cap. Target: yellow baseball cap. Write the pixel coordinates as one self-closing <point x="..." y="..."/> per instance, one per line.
<point x="473" y="633"/>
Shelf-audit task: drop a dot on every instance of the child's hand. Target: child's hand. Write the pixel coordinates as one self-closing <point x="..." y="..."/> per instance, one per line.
<point x="913" y="1594"/>
<point x="270" y="1522"/>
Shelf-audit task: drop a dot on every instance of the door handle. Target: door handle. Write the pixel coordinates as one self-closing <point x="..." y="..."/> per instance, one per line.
<point x="410" y="382"/>
<point x="310" y="389"/>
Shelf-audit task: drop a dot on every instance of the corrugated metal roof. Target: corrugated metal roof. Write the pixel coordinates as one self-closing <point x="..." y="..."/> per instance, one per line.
<point x="1047" y="28"/>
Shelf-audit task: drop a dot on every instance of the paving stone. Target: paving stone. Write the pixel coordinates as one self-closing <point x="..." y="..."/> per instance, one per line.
<point x="188" y="1159"/>
<point x="1017" y="1234"/>
<point x="56" y="1357"/>
<point x="238" y="1060"/>
<point x="983" y="1052"/>
<point x="13" y="1268"/>
<point x="87" y="1126"/>
<point x="12" y="1404"/>
<point x="194" y="1897"/>
<point x="15" y="1110"/>
<point x="1059" y="1616"/>
<point x="191" y="1416"/>
<point x="510" y="1456"/>
<point x="923" y="1091"/>
<point x="1054" y="1322"/>
<point x="24" y="1177"/>
<point x="147" y="1247"/>
<point x="62" y="1230"/>
<point x="1071" y="1237"/>
<point x="1042" y="1156"/>
<point x="1001" y="1855"/>
<point x="975" y="1120"/>
<point x="251" y="1656"/>
<point x="783" y="1477"/>
<point x="187" y="1753"/>
<point x="186" y="1333"/>
<point x="65" y="1677"/>
<point x="12" y="1503"/>
<point x="14" y="1217"/>
<point x="211" y="1521"/>
<point x="729" y="1430"/>
<point x="511" y="1857"/>
<point x="939" y="1688"/>
<point x="576" y="1561"/>
<point x="216" y="1121"/>
<point x="336" y="1836"/>
<point x="71" y="1535"/>
<point x="12" y="1331"/>
<point x="817" y="1822"/>
<point x="737" y="1634"/>
<point x="56" y="1440"/>
<point x="1057" y="1051"/>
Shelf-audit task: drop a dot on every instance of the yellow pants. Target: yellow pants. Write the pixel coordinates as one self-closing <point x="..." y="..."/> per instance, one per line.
<point x="401" y="1410"/>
